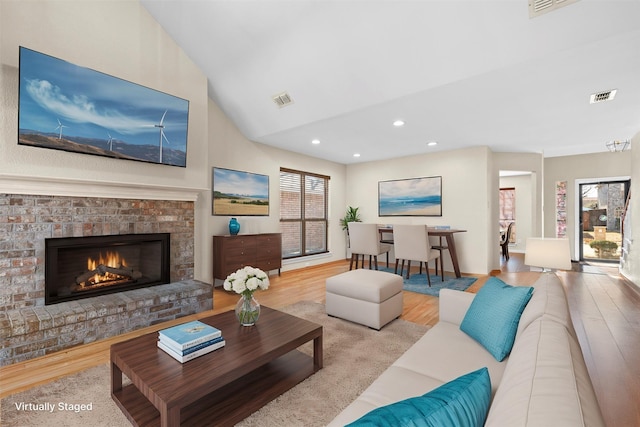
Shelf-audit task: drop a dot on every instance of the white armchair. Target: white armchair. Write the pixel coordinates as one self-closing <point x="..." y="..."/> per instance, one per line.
<point x="411" y="243"/>
<point x="364" y="239"/>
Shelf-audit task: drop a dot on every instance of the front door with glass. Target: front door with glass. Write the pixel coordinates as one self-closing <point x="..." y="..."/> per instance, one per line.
<point x="601" y="208"/>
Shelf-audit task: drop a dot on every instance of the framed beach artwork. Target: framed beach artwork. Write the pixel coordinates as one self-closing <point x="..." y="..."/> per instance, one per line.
<point x="67" y="107"/>
<point x="238" y="193"/>
<point x="410" y="197"/>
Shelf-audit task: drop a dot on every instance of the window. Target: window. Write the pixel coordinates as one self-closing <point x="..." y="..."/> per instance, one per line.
<point x="303" y="213"/>
<point x="508" y="211"/>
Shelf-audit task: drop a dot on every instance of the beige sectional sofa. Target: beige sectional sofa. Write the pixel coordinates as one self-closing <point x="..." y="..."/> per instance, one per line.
<point x="543" y="382"/>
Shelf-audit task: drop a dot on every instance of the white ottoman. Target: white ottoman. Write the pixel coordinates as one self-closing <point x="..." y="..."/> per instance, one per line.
<point x="370" y="297"/>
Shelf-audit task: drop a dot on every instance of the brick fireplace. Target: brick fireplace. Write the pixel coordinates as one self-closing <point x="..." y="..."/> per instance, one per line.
<point x="29" y="328"/>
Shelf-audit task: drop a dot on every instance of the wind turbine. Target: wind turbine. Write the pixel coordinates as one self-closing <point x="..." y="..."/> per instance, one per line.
<point x="110" y="142"/>
<point x="60" y="126"/>
<point x="162" y="135"/>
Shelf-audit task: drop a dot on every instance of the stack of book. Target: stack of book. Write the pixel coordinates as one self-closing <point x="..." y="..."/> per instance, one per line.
<point x="190" y="340"/>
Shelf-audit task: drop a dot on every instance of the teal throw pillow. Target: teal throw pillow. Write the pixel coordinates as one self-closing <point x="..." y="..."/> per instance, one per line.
<point x="493" y="317"/>
<point x="463" y="402"/>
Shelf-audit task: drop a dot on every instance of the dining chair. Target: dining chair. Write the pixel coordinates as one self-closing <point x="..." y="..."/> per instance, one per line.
<point x="411" y="243"/>
<point x="385" y="244"/>
<point x="504" y="241"/>
<point x="440" y="247"/>
<point x="364" y="239"/>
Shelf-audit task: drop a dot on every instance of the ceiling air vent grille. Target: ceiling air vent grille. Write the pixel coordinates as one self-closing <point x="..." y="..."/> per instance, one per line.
<point x="602" y="96"/>
<point x="282" y="99"/>
<point x="539" y="7"/>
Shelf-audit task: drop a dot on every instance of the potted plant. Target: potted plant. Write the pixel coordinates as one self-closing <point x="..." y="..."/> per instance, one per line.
<point x="352" y="215"/>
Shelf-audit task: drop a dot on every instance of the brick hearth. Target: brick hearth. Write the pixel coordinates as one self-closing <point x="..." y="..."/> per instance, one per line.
<point x="36" y="331"/>
<point x="30" y="329"/>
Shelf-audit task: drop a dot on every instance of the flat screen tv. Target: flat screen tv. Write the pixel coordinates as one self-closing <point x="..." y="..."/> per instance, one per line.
<point x="67" y="107"/>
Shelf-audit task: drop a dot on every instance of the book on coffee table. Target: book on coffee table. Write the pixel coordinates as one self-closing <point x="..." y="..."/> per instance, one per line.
<point x="189" y="334"/>
<point x="189" y="356"/>
<point x="178" y="350"/>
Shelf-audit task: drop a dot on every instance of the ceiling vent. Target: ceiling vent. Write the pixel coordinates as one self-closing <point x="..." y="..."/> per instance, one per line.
<point x="540" y="7"/>
<point x="283" y="99"/>
<point x="602" y="96"/>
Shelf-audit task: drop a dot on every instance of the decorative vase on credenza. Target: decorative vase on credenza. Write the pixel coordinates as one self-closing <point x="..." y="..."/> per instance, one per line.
<point x="234" y="226"/>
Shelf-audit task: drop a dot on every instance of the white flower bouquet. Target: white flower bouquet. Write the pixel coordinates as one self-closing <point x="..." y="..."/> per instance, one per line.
<point x="245" y="282"/>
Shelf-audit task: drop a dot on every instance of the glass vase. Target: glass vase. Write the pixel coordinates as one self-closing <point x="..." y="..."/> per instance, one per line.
<point x="247" y="310"/>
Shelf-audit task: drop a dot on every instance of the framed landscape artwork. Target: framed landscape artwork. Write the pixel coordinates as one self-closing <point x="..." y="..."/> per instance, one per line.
<point x="410" y="197"/>
<point x="238" y="193"/>
<point x="67" y="107"/>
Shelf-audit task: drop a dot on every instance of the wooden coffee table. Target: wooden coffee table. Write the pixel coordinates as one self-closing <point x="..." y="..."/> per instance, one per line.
<point x="257" y="364"/>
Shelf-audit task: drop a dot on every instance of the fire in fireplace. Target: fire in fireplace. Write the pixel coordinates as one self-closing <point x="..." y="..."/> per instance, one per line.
<point x="106" y="271"/>
<point x="80" y="267"/>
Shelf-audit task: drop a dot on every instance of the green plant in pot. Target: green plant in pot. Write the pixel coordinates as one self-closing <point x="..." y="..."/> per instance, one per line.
<point x="351" y="215"/>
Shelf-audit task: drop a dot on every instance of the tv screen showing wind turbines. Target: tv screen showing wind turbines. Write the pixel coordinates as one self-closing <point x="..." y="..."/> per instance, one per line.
<point x="72" y="108"/>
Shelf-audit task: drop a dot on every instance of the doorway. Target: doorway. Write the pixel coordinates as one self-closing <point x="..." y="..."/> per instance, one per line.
<point x="601" y="207"/>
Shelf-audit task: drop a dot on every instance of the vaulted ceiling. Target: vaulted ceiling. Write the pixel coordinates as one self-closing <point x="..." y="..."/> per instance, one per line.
<point x="460" y="73"/>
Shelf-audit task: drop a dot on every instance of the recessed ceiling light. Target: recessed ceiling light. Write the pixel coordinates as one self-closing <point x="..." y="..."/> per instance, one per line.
<point x="315" y="141"/>
<point x="398" y="123"/>
<point x="432" y="143"/>
<point x="356" y="155"/>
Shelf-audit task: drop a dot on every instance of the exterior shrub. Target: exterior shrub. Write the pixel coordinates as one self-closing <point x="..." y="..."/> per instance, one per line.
<point x="604" y="247"/>
<point x="604" y="244"/>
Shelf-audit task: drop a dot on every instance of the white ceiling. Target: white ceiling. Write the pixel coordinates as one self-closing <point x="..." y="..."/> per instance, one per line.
<point x="462" y="73"/>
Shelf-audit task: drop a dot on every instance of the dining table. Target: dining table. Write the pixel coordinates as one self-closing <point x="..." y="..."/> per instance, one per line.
<point x="447" y="233"/>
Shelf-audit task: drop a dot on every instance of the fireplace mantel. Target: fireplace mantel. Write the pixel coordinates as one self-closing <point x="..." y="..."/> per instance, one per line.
<point x="49" y="186"/>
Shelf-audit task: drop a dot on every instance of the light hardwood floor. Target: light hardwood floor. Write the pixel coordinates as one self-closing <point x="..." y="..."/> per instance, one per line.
<point x="605" y="309"/>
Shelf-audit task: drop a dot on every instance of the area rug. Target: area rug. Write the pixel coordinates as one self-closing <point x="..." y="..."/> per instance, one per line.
<point x="418" y="283"/>
<point x="354" y="356"/>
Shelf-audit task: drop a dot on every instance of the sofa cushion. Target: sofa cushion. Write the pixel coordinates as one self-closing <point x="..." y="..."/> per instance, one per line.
<point x="546" y="382"/>
<point x="445" y="353"/>
<point x="494" y="314"/>
<point x="458" y="403"/>
<point x="453" y="305"/>
<point x="548" y="300"/>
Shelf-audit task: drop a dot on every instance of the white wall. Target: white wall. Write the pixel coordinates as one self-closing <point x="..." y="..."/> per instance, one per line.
<point x="230" y="149"/>
<point x="631" y="265"/>
<point x="465" y="189"/>
<point x="570" y="169"/>
<point x="118" y="38"/>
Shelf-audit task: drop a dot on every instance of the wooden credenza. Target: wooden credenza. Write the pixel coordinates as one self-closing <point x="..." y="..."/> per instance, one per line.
<point x="263" y="251"/>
